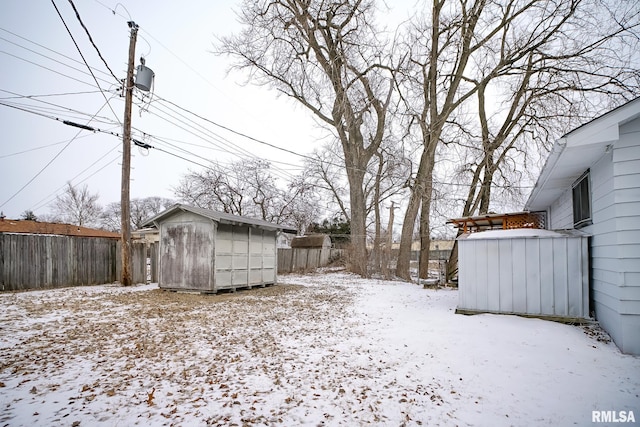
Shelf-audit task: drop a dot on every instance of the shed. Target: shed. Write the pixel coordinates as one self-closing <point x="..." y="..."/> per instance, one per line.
<point x="316" y="241"/>
<point x="532" y="272"/>
<point x="207" y="251"/>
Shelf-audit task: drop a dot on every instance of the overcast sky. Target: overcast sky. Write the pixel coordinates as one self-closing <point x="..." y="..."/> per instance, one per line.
<point x="38" y="58"/>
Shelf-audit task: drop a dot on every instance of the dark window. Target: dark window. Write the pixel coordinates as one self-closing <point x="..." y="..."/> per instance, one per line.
<point x="581" y="202"/>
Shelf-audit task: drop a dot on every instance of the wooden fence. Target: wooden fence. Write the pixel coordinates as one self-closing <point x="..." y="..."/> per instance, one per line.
<point x="48" y="261"/>
<point x="303" y="259"/>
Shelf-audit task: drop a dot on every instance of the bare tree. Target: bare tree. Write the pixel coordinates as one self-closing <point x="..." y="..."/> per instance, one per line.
<point x="248" y="187"/>
<point x="327" y="56"/>
<point x="141" y="210"/>
<point x="457" y="50"/>
<point x="28" y="215"/>
<point x="77" y="206"/>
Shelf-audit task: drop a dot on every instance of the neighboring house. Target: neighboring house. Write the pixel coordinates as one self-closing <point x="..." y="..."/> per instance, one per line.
<point x="22" y="226"/>
<point x="591" y="183"/>
<point x="307" y="253"/>
<point x="207" y="251"/>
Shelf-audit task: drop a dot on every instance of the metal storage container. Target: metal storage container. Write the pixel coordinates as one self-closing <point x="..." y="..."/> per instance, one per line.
<point x="524" y="271"/>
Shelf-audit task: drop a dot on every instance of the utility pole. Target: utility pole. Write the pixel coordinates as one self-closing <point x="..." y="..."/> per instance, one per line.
<point x="125" y="209"/>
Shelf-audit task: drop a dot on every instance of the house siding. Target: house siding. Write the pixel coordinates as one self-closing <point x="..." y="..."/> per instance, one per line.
<point x="615" y="246"/>
<point x="561" y="212"/>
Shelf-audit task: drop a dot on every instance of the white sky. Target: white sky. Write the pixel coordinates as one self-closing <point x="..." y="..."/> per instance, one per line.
<point x="176" y="39"/>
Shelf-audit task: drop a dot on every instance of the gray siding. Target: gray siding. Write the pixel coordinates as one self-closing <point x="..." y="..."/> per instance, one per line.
<point x="553" y="281"/>
<point x="561" y="212"/>
<point x="626" y="181"/>
<point x="245" y="257"/>
<point x="186" y="252"/>
<point x="615" y="245"/>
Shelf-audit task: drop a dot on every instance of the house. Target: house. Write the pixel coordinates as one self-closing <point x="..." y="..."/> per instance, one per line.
<point x="207" y="251"/>
<point x="591" y="183"/>
<point x="22" y="226"/>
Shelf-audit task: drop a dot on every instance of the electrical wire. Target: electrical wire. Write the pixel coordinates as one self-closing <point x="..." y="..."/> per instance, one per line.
<point x="83" y="59"/>
<point x="48" y="199"/>
<point x="50" y="50"/>
<point x="91" y="40"/>
<point x="58" y="108"/>
<point x="46" y="95"/>
<point x="234" y="131"/>
<point x="48" y="69"/>
<point x="39" y="148"/>
<point x="48" y="163"/>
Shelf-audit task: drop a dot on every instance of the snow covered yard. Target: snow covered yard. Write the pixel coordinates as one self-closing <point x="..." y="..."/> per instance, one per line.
<point x="325" y="349"/>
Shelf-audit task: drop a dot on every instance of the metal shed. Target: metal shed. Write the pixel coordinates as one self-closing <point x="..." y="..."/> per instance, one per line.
<point x="207" y="251"/>
<point x="533" y="272"/>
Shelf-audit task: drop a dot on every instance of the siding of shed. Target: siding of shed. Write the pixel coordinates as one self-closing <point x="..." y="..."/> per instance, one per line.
<point x="532" y="276"/>
<point x="245" y="257"/>
<point x="186" y="253"/>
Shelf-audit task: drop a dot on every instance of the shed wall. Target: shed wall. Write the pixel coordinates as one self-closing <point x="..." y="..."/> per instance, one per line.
<point x="245" y="257"/>
<point x="186" y="253"/>
<point x="533" y="276"/>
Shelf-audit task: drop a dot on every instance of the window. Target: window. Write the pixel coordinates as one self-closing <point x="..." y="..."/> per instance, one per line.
<point x="581" y="202"/>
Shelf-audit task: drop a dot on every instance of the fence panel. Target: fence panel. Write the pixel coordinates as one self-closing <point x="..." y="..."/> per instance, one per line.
<point x="301" y="259"/>
<point x="48" y="261"/>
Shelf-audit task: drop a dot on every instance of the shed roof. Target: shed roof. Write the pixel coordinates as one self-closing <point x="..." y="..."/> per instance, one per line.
<point x="311" y="241"/>
<point x="36" y="227"/>
<point x="578" y="150"/>
<point x="221" y="217"/>
<point x="504" y="220"/>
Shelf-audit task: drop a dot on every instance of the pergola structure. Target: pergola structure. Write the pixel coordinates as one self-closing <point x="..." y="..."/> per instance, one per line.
<point x="506" y="221"/>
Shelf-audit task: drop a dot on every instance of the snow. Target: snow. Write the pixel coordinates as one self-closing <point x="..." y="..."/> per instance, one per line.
<point x="322" y="349"/>
<point x="514" y="233"/>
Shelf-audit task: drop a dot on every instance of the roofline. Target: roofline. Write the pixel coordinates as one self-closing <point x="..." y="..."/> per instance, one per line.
<point x="602" y="116"/>
<point x="546" y="171"/>
<point x="220" y="217"/>
<point x="607" y="120"/>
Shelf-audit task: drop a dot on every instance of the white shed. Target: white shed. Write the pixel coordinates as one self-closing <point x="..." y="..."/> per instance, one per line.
<point x="524" y="271"/>
<point x="207" y="251"/>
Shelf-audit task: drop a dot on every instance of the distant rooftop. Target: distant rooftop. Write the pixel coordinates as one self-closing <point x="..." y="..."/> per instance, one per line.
<point x="23" y="226"/>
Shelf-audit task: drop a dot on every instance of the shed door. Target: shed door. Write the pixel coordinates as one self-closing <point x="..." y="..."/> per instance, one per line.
<point x="186" y="261"/>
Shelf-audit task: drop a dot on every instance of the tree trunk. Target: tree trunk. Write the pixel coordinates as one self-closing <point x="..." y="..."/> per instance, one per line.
<point x="358" y="221"/>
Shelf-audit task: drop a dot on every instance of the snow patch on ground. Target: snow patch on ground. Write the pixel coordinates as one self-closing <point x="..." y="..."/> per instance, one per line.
<point x="321" y="349"/>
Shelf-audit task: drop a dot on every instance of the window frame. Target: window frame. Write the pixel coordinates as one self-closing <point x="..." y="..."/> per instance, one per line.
<point x="581" y="201"/>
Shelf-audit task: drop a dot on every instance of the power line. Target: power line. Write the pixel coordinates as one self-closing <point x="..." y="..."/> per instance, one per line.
<point x="48" y="163"/>
<point x="48" y="69"/>
<point x="91" y="40"/>
<point x="236" y="132"/>
<point x="48" y="199"/>
<point x="83" y="59"/>
<point x="58" y="108"/>
<point x="38" y="148"/>
<point x="48" y="49"/>
<point x="88" y="92"/>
